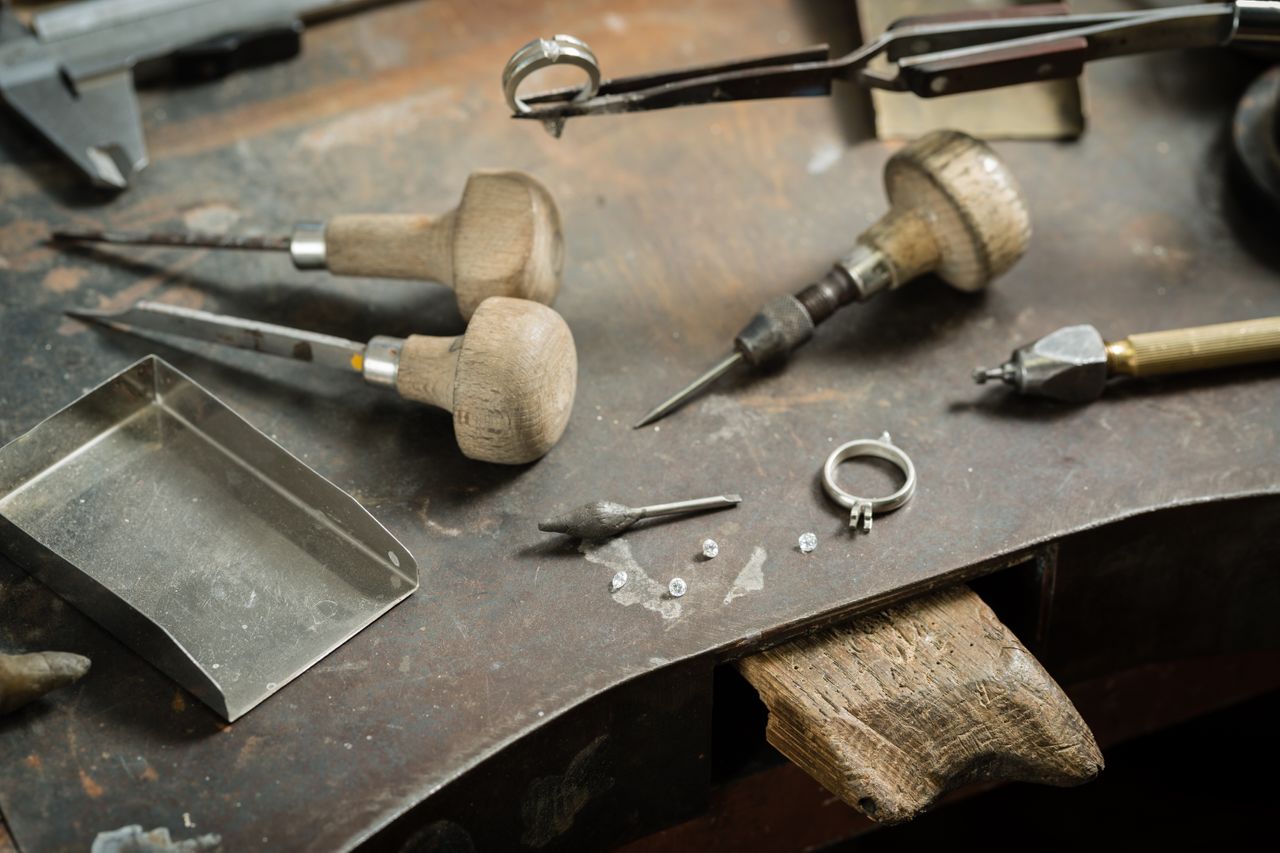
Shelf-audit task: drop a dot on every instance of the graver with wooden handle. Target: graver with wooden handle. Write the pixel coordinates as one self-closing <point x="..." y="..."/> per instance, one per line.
<point x="509" y="380"/>
<point x="897" y="708"/>
<point x="1074" y="363"/>
<point x="503" y="239"/>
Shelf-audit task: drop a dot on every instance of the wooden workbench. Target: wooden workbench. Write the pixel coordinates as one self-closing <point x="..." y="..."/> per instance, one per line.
<point x="513" y="660"/>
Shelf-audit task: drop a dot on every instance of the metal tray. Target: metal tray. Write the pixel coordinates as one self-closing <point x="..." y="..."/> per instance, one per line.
<point x="194" y="538"/>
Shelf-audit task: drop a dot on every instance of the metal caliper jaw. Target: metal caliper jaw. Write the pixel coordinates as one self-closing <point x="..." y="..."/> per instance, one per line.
<point x="93" y="120"/>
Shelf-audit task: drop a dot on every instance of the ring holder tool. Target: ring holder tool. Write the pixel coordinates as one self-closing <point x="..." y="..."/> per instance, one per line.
<point x="543" y="53"/>
<point x="861" y="509"/>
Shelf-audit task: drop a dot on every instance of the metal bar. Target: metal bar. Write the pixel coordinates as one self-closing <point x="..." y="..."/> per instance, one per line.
<point x="192" y="239"/>
<point x="236" y="332"/>
<point x="679" y="507"/>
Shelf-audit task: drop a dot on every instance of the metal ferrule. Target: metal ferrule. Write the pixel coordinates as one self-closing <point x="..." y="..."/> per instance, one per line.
<point x="870" y="270"/>
<point x="382" y="360"/>
<point x="306" y="246"/>
<point x="782" y="325"/>
<point x="1256" y="21"/>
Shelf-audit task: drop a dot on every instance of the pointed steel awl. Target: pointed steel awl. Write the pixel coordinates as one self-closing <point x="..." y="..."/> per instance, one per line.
<point x="602" y="519"/>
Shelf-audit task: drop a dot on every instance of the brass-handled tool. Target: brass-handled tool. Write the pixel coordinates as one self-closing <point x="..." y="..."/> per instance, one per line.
<point x="24" y="678"/>
<point x="602" y="519"/>
<point x="1074" y="363"/>
<point x="503" y="239"/>
<point x="955" y="211"/>
<point x="509" y="381"/>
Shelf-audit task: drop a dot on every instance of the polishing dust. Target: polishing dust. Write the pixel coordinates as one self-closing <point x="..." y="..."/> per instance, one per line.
<point x="751" y="578"/>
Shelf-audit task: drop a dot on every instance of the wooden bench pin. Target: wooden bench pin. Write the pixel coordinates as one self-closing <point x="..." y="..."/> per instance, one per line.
<point x="503" y="239"/>
<point x="509" y="380"/>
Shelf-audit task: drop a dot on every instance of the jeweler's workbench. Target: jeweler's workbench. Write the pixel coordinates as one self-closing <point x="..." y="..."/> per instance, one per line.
<point x="513" y="670"/>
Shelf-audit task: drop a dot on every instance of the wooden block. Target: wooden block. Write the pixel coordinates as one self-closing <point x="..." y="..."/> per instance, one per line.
<point x="896" y="709"/>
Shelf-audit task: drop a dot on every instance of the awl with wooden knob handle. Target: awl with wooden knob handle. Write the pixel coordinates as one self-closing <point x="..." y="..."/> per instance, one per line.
<point x="509" y="380"/>
<point x="955" y="211"/>
<point x="503" y="239"/>
<point x="1074" y="363"/>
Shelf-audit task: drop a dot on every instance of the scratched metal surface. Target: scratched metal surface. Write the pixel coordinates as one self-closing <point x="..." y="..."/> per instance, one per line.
<point x="679" y="224"/>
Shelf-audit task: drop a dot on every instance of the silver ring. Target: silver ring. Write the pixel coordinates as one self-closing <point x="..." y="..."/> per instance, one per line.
<point x="541" y="53"/>
<point x="861" y="509"/>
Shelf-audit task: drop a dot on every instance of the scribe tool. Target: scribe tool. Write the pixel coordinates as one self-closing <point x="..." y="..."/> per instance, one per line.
<point x="503" y="239"/>
<point x="955" y="210"/>
<point x="509" y="380"/>
<point x="602" y="519"/>
<point x="937" y="55"/>
<point x="25" y="678"/>
<point x="1074" y="363"/>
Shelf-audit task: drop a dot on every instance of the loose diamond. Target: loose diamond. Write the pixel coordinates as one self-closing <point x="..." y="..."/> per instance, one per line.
<point x="677" y="587"/>
<point x="808" y="542"/>
<point x="709" y="548"/>
<point x="618" y="582"/>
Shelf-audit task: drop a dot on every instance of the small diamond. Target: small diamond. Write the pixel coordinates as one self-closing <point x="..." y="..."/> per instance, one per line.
<point x="808" y="542"/>
<point x="709" y="548"/>
<point x="677" y="587"/>
<point x="618" y="582"/>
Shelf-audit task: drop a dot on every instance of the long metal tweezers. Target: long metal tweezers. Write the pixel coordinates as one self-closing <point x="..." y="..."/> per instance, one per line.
<point x="931" y="56"/>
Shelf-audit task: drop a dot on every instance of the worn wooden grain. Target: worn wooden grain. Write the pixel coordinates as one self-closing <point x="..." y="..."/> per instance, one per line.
<point x="898" y="708"/>
<point x="509" y="381"/>
<point x="25" y="678"/>
<point x="957" y="211"/>
<point x="503" y="239"/>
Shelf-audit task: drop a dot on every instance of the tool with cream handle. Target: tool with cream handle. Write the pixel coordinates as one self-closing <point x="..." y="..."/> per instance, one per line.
<point x="509" y="380"/>
<point x="955" y="210"/>
<point x="503" y="239"/>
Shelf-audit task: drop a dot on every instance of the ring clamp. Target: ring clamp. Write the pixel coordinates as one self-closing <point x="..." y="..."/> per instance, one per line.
<point x="861" y="509"/>
<point x="541" y="53"/>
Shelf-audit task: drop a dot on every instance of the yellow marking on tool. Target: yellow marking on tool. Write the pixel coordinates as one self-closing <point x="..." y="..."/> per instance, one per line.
<point x="357" y="361"/>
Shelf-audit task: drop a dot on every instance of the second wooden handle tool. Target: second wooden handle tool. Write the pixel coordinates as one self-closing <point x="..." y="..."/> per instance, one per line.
<point x="503" y="239"/>
<point x="509" y="381"/>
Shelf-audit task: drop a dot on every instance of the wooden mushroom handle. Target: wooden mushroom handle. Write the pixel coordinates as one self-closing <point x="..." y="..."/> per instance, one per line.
<point x="503" y="239"/>
<point x="896" y="709"/>
<point x="428" y="369"/>
<point x="391" y="245"/>
<point x="956" y="210"/>
<point x="510" y="380"/>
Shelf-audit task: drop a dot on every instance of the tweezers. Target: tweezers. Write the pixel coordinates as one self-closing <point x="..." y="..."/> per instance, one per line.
<point x="932" y="56"/>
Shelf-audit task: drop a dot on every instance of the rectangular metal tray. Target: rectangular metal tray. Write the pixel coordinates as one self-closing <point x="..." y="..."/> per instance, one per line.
<point x="194" y="538"/>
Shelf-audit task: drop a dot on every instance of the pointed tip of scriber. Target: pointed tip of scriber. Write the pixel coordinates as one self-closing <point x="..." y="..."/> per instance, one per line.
<point x="682" y="396"/>
<point x="983" y="375"/>
<point x="652" y="416"/>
